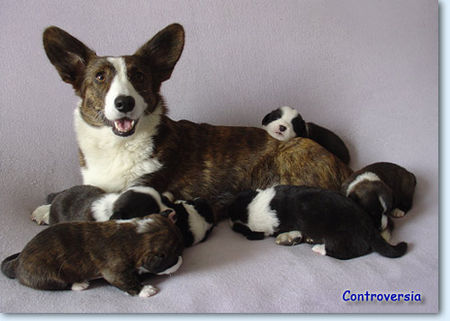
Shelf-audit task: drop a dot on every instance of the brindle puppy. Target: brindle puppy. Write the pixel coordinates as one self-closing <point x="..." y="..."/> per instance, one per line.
<point x="69" y="255"/>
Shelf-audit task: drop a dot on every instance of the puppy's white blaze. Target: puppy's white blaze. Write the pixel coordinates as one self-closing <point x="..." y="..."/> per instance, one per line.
<point x="153" y="193"/>
<point x="41" y="215"/>
<point x="122" y="86"/>
<point x="367" y="176"/>
<point x="102" y="209"/>
<point x="197" y="224"/>
<point x="173" y="268"/>
<point x="147" y="291"/>
<point x="113" y="162"/>
<point x="384" y="222"/>
<point x="319" y="248"/>
<point x="142" y="225"/>
<point x="261" y="218"/>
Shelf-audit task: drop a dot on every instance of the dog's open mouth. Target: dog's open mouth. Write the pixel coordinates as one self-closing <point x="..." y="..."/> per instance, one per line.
<point x="124" y="126"/>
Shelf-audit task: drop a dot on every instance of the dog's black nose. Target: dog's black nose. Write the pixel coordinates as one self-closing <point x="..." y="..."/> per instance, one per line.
<point x="124" y="104"/>
<point x="282" y="128"/>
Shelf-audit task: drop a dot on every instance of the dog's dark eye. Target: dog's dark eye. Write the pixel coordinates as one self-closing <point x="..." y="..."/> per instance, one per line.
<point x="138" y="76"/>
<point x="100" y="76"/>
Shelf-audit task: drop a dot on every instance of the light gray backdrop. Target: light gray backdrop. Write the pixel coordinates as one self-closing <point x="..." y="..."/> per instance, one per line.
<point x="366" y="69"/>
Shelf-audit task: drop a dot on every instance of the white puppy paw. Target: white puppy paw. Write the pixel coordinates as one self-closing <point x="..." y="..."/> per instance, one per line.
<point x="41" y="215"/>
<point x="80" y="286"/>
<point x="289" y="238"/>
<point x="397" y="213"/>
<point x="319" y="248"/>
<point x="148" y="291"/>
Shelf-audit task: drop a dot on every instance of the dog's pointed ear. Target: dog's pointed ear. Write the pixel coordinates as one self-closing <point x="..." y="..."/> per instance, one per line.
<point x="69" y="55"/>
<point x="163" y="50"/>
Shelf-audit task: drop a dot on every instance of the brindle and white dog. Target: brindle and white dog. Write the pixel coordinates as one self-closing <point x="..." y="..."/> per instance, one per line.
<point x="125" y="137"/>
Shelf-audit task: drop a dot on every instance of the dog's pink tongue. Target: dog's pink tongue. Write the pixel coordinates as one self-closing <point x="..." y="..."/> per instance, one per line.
<point x="124" y="124"/>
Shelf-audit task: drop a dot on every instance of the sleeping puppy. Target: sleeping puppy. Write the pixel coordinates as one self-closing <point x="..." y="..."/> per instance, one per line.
<point x="195" y="219"/>
<point x="69" y="255"/>
<point x="90" y="203"/>
<point x="334" y="223"/>
<point x="382" y="189"/>
<point x="285" y="123"/>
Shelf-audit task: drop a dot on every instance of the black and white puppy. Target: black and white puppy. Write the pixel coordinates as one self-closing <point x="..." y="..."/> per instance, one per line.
<point x="194" y="218"/>
<point x="334" y="223"/>
<point x="285" y="123"/>
<point x="90" y="203"/>
<point x="382" y="189"/>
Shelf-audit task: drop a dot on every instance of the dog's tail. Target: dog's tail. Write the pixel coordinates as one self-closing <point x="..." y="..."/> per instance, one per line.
<point x="380" y="245"/>
<point x="9" y="265"/>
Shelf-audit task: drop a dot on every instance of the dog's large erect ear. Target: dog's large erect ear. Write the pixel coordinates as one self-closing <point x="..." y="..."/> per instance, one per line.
<point x="163" y="50"/>
<point x="69" y="55"/>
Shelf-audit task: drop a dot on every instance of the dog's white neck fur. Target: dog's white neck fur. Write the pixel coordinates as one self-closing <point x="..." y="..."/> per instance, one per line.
<point x="114" y="162"/>
<point x="261" y="218"/>
<point x="367" y="176"/>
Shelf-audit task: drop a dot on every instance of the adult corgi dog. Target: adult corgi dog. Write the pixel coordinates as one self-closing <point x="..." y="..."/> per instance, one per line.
<point x="125" y="137"/>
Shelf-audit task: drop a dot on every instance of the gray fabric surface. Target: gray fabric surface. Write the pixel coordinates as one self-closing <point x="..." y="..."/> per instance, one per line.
<point x="366" y="69"/>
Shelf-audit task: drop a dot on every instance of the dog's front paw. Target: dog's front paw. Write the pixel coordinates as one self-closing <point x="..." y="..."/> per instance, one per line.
<point x="397" y="213"/>
<point x="289" y="238"/>
<point x="41" y="215"/>
<point x="148" y="291"/>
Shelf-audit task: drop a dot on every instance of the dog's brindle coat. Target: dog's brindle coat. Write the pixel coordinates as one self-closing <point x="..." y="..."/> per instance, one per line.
<point x="144" y="146"/>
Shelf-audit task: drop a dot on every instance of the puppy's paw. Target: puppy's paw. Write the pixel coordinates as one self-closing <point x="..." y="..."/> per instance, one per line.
<point x="41" y="215"/>
<point x="148" y="291"/>
<point x="397" y="213"/>
<point x="289" y="238"/>
<point x="80" y="286"/>
<point x="319" y="248"/>
<point x="386" y="234"/>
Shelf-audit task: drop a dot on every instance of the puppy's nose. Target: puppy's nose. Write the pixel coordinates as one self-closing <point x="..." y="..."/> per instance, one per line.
<point x="124" y="104"/>
<point x="282" y="128"/>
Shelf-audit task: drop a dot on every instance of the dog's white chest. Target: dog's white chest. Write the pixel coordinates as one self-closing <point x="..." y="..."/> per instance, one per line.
<point x="112" y="162"/>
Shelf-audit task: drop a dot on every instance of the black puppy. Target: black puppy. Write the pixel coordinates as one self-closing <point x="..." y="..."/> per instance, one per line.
<point x="90" y="203"/>
<point x="285" y="123"/>
<point x="334" y="223"/>
<point x="382" y="189"/>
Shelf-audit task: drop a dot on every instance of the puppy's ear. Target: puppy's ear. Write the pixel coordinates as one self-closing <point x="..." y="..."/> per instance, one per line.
<point x="299" y="126"/>
<point x="163" y="50"/>
<point x="69" y="55"/>
<point x="270" y="117"/>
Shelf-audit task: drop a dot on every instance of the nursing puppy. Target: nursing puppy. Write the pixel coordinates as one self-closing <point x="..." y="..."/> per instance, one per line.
<point x="334" y="223"/>
<point x="286" y="123"/>
<point x="195" y="219"/>
<point x="382" y="189"/>
<point x="122" y="111"/>
<point x="69" y="255"/>
<point x="90" y="203"/>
